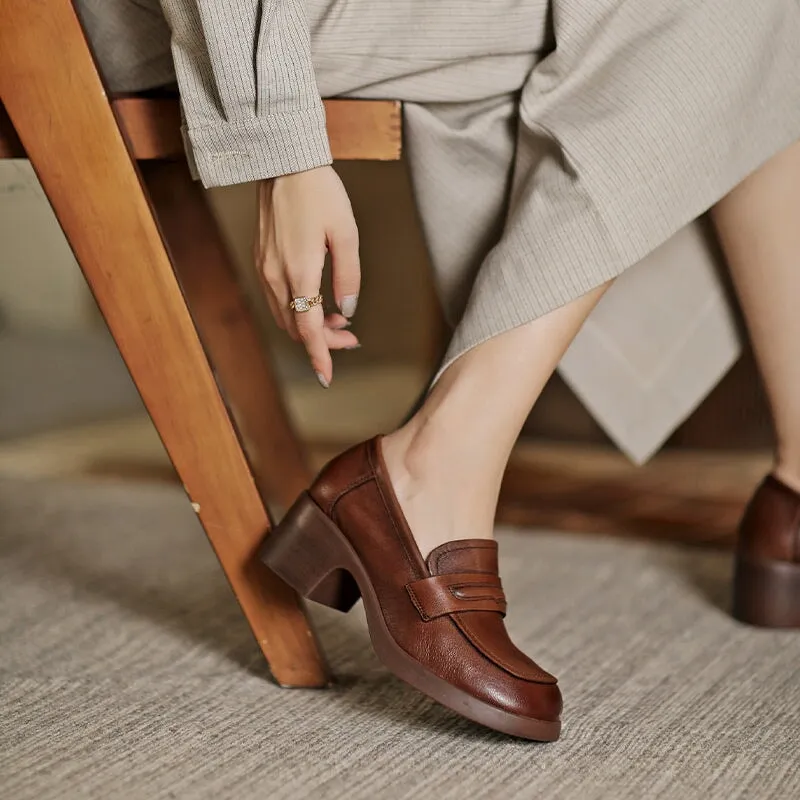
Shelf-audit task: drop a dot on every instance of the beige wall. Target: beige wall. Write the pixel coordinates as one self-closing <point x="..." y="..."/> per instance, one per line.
<point x="40" y="285"/>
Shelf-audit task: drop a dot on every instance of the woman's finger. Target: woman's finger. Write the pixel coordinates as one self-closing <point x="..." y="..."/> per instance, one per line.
<point x="340" y="340"/>
<point x="336" y="322"/>
<point x="273" y="278"/>
<point x="304" y="281"/>
<point x="311" y="330"/>
<point x="279" y="298"/>
<point x="282" y="298"/>
<point x="274" y="308"/>
<point x="343" y="247"/>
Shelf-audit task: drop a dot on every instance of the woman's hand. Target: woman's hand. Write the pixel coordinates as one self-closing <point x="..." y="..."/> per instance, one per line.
<point x="300" y="217"/>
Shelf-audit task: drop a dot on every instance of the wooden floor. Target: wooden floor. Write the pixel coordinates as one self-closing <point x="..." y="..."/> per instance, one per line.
<point x="679" y="496"/>
<point x="691" y="497"/>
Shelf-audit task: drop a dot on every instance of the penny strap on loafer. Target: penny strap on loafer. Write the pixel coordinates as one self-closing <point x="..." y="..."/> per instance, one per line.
<point x="455" y="593"/>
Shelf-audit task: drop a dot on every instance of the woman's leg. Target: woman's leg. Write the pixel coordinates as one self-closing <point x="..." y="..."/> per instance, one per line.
<point x="447" y="462"/>
<point x="759" y="227"/>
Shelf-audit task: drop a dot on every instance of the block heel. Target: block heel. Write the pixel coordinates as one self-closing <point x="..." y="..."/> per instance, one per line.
<point x="306" y="551"/>
<point x="767" y="593"/>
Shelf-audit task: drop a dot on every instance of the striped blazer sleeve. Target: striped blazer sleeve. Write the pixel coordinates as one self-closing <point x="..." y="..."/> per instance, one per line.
<point x="248" y="93"/>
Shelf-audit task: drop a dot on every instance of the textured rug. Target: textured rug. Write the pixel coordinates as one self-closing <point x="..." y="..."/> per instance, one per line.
<point x="127" y="672"/>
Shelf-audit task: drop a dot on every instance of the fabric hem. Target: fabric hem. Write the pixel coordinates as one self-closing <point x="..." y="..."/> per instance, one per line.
<point x="679" y="389"/>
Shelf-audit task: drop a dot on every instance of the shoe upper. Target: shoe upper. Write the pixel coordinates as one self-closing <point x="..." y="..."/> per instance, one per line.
<point x="770" y="527"/>
<point x="447" y="611"/>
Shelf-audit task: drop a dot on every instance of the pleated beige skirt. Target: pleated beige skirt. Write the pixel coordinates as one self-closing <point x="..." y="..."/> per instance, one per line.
<point x="556" y="145"/>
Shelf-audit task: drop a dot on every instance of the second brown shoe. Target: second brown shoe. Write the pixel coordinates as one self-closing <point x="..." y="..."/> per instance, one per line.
<point x="766" y="583"/>
<point x="436" y="623"/>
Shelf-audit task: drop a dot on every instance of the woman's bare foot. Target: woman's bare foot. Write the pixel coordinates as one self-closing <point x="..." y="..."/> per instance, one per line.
<point x="441" y="496"/>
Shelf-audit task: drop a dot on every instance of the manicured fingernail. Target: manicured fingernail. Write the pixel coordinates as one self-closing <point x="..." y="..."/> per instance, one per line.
<point x="353" y="347"/>
<point x="346" y="324"/>
<point x="322" y="382"/>
<point x="349" y="303"/>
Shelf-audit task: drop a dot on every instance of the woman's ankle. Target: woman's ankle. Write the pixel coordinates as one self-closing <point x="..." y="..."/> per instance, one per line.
<point x="787" y="471"/>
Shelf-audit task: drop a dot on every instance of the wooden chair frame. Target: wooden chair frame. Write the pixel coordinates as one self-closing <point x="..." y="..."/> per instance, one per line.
<point x="135" y="233"/>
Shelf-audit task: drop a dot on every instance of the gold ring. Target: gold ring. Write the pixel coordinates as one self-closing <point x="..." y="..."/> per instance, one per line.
<point x="303" y="304"/>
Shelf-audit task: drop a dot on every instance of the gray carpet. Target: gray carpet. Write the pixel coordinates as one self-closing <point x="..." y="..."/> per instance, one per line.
<point x="53" y="379"/>
<point x="127" y="672"/>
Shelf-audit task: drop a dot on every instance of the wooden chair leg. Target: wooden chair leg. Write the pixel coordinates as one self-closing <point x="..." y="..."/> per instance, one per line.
<point x="54" y="96"/>
<point x="228" y="330"/>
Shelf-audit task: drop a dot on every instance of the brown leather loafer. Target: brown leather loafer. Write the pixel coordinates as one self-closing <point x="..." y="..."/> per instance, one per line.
<point x="766" y="584"/>
<point x="437" y="623"/>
